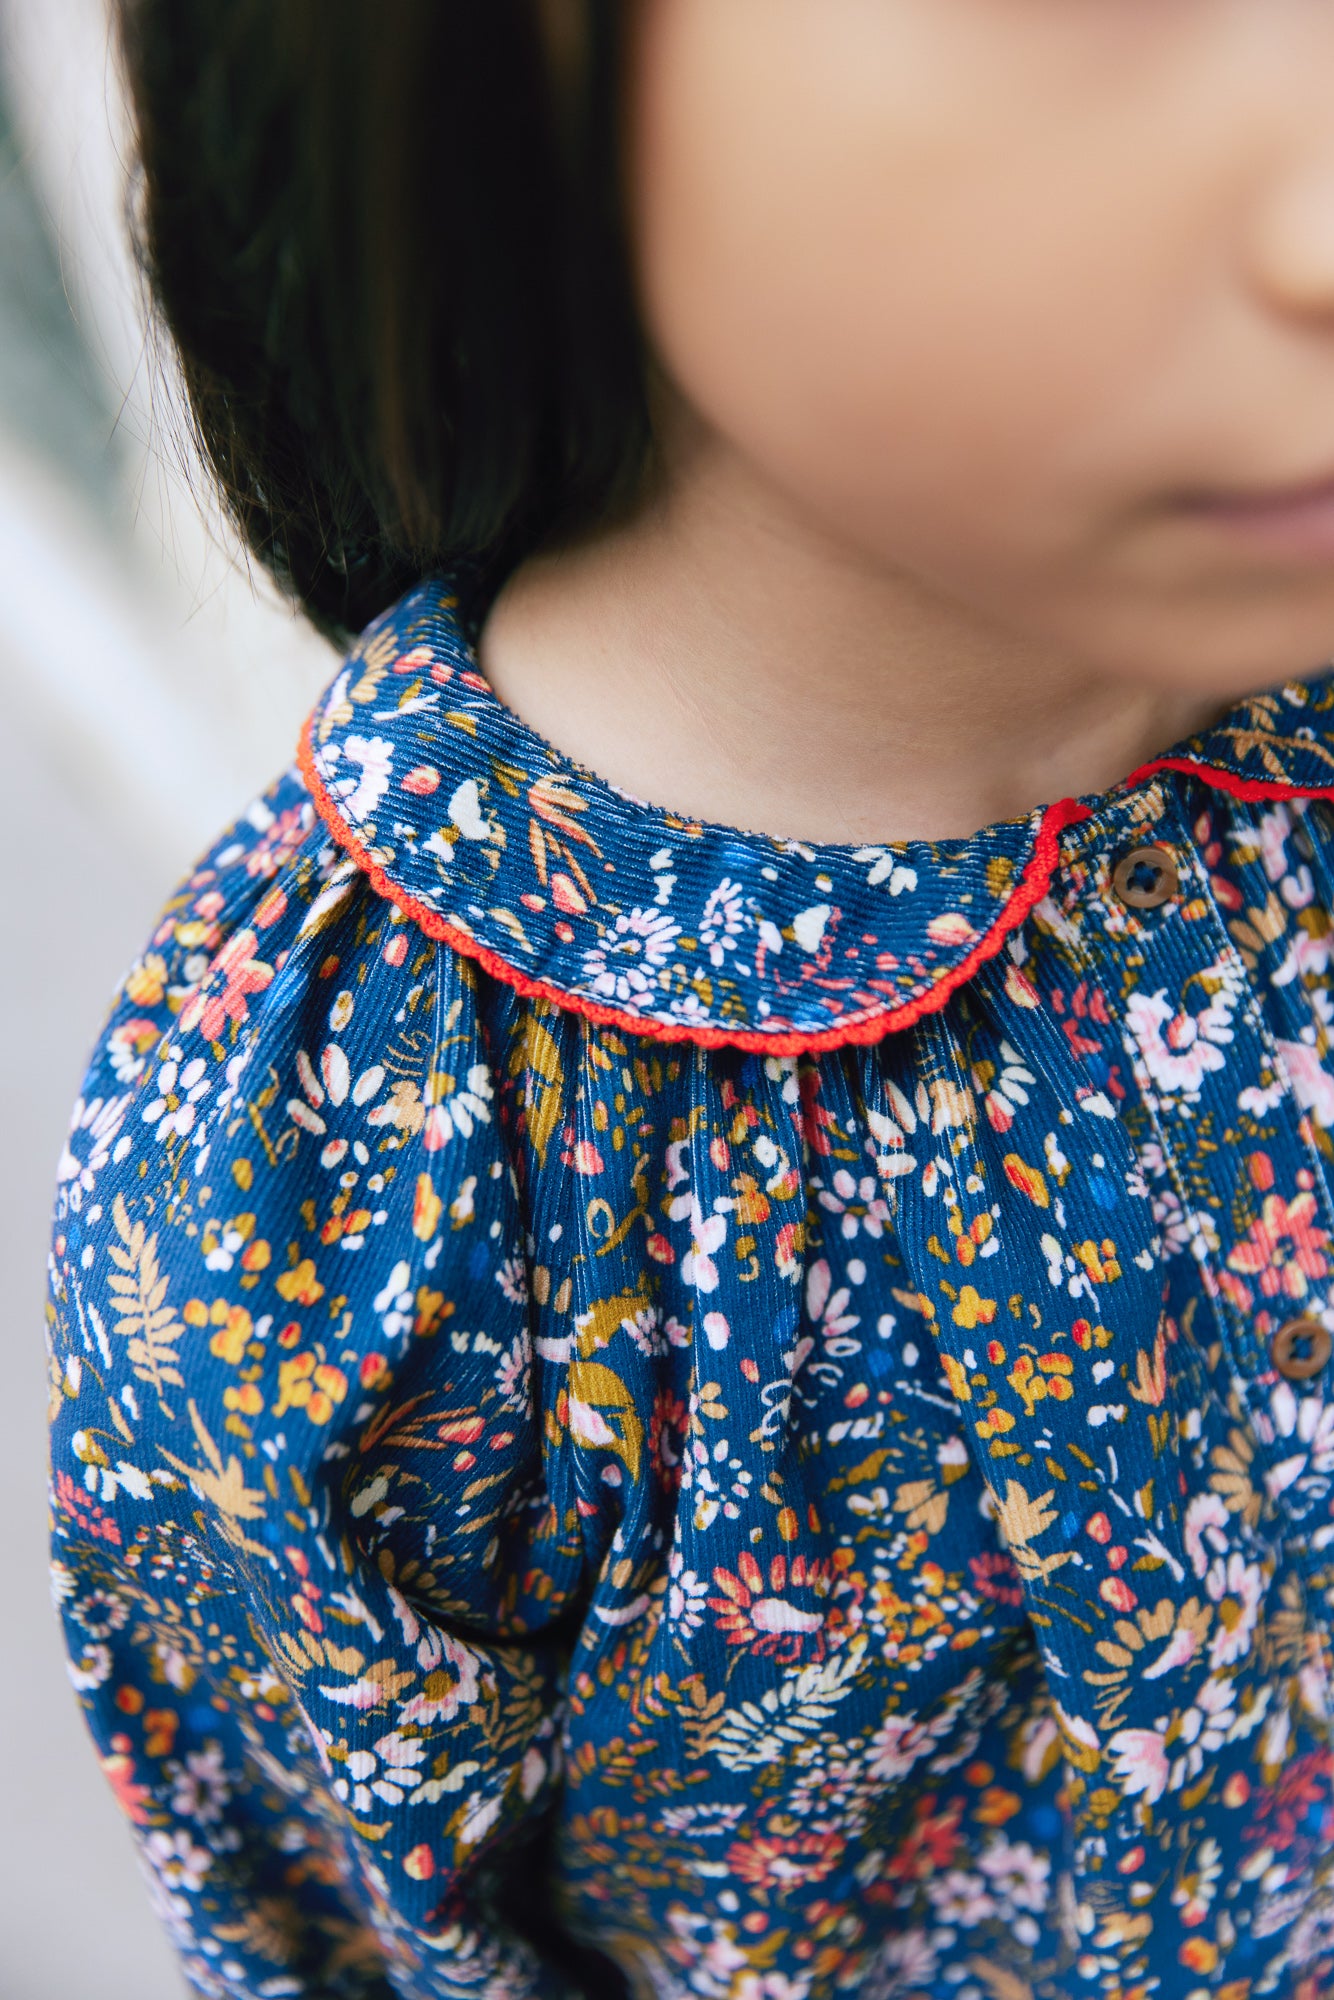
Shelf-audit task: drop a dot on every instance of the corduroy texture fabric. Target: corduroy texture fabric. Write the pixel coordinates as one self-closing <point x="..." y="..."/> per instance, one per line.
<point x="634" y="1389"/>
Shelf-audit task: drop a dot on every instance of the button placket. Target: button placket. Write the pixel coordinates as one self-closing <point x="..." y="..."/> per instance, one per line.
<point x="1146" y="877"/>
<point x="1253" y="1238"/>
<point x="1300" y="1348"/>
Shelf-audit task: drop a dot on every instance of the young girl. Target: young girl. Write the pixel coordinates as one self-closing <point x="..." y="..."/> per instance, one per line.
<point x="690" y="1328"/>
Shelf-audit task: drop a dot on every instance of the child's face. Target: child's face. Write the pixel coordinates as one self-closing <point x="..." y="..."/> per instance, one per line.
<point x="988" y="285"/>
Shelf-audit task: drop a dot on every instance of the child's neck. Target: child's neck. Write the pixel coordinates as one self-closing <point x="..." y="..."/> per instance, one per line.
<point x="723" y="658"/>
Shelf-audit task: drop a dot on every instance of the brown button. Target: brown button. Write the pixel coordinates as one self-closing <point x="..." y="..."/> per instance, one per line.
<point x="1146" y="877"/>
<point x="1300" y="1348"/>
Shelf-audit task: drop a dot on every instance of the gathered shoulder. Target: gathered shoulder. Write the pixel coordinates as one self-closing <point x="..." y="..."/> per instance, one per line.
<point x="287" y="1214"/>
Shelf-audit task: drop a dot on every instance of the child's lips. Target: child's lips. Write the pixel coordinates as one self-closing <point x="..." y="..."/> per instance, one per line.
<point x="1296" y="521"/>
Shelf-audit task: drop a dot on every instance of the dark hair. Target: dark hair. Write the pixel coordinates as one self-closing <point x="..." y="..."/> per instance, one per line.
<point x="389" y="251"/>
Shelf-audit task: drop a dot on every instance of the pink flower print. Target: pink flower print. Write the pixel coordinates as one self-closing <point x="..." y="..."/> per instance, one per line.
<point x="282" y="837"/>
<point x="1141" y="1762"/>
<point x="638" y="942"/>
<point x="1312" y="1084"/>
<point x="827" y="1308"/>
<point x="1206" y="1530"/>
<point x="446" y="1690"/>
<point x="1179" y="1048"/>
<point x="858" y="1203"/>
<point x="1275" y="833"/>
<point x="707" y="1234"/>
<point x="1283" y="1248"/>
<point x="210" y="1008"/>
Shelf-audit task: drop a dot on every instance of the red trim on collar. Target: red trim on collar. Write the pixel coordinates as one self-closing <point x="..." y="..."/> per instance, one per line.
<point x="1229" y="781"/>
<point x="1031" y="887"/>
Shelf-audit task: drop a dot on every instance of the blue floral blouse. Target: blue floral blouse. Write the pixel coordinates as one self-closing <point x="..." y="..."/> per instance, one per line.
<point x="643" y="1408"/>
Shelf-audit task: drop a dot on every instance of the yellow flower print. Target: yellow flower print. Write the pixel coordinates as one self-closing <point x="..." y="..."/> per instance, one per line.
<point x="307" y="1383"/>
<point x="427" y="1209"/>
<point x="1152" y="1643"/>
<point x="234" y="1330"/>
<point x="300" y="1286"/>
<point x="972" y="1309"/>
<point x="1022" y="1518"/>
<point x="1032" y="1386"/>
<point x="1099" y="1260"/>
<point x="1029" y="1180"/>
<point x="147" y="982"/>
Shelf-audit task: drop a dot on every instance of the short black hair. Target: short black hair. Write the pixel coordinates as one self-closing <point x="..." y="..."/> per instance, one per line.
<point x="391" y="255"/>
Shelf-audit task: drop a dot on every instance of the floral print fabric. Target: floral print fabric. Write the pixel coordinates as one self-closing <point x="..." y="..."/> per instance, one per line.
<point x="637" y="1407"/>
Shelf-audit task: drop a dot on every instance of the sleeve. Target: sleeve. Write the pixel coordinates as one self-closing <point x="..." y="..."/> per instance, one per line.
<point x="318" y="1595"/>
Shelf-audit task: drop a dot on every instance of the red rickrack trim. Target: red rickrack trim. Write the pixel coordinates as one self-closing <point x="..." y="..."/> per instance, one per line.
<point x="1032" y="885"/>
<point x="1228" y="781"/>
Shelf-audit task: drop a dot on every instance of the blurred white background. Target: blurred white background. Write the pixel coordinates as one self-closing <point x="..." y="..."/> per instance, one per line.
<point x="148" y="687"/>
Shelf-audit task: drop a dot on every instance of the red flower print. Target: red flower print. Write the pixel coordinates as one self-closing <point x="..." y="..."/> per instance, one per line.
<point x="783" y="1864"/>
<point x="930" y="1845"/>
<point x="1295" y="1816"/>
<point x="118" y="1770"/>
<point x="668" y="1429"/>
<point x="756" y="1611"/>
<point x="1283" y="1248"/>
<point x="209" y="1009"/>
<point x="995" y="1575"/>
<point x="85" y="1513"/>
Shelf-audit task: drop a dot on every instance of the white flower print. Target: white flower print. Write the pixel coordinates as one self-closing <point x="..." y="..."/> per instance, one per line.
<point x="514" y="1374"/>
<point x="887" y="865"/>
<point x="512" y="1277"/>
<point x="90" y="1670"/>
<point x="1006" y="1091"/>
<point x="360" y="795"/>
<point x="442" y="1698"/>
<point x="959" y="1898"/>
<point x="1018" y="1872"/>
<point x="389" y="1771"/>
<point x="890" y="1130"/>
<point x="129" y="1047"/>
<point x="1307" y="1423"/>
<point x="686" y="1595"/>
<point x="703" y="1822"/>
<point x="1275" y="832"/>
<point x="460" y="1111"/>
<point x="638" y="941"/>
<point x="1239" y="1587"/>
<point x="180" y="1091"/>
<point x="1204" y="1728"/>
<point x="100" y="1614"/>
<point x="199" y="1786"/>
<point x="723" y="921"/>
<point x="1180" y="1048"/>
<point x="828" y="1309"/>
<point x="177" y="1861"/>
<point x="901" y="1741"/>
<point x="102" y="1119"/>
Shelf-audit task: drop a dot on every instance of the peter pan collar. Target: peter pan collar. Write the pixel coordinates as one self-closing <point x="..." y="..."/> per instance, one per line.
<point x="568" y="888"/>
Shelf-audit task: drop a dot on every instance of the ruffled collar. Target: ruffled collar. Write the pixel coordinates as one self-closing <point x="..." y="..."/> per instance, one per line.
<point x="568" y="888"/>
